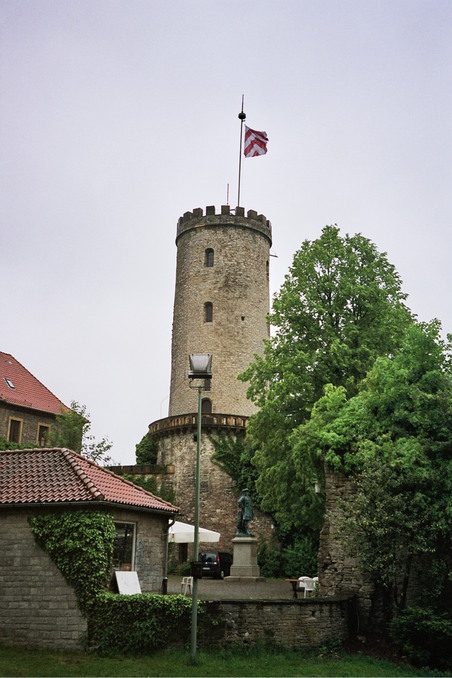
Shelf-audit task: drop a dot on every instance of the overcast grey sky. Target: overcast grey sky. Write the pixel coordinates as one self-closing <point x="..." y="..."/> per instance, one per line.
<point x="117" y="116"/>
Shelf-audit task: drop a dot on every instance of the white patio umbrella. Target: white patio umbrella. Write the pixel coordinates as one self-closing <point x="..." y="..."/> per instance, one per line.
<point x="183" y="533"/>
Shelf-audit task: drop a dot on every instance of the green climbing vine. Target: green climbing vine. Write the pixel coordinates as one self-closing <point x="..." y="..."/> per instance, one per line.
<point x="81" y="545"/>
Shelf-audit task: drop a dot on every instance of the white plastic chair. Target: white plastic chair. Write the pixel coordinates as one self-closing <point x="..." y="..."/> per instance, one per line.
<point x="186" y="586"/>
<point x="307" y="584"/>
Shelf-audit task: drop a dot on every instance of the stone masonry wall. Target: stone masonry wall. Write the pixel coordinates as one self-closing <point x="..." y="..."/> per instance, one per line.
<point x="238" y="287"/>
<point x="297" y="624"/>
<point x="37" y="606"/>
<point x="340" y="574"/>
<point x="149" y="546"/>
<point x="218" y="496"/>
<point x="30" y="420"/>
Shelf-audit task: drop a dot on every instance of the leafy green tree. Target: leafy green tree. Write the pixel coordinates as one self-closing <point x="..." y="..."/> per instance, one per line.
<point x="233" y="454"/>
<point x="340" y="307"/>
<point x="72" y="430"/>
<point x="395" y="436"/>
<point x="146" y="450"/>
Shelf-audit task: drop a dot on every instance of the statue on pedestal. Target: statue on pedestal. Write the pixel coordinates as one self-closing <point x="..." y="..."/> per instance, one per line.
<point x="244" y="514"/>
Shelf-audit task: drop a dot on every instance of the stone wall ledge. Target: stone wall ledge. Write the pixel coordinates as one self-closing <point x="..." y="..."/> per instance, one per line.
<point x="209" y="422"/>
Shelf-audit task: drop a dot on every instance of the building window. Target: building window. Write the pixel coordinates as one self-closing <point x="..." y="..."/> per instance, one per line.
<point x="15" y="430"/>
<point x="206" y="406"/>
<point x="43" y="435"/>
<point x="208" y="312"/>
<point x="124" y="547"/>
<point x="207" y="384"/>
<point x="9" y="383"/>
<point x="208" y="257"/>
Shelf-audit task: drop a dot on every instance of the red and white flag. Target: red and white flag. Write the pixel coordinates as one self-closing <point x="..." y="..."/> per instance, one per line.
<point x="255" y="143"/>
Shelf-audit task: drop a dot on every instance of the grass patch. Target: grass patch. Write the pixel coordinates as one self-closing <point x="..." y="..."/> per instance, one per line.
<point x="28" y="662"/>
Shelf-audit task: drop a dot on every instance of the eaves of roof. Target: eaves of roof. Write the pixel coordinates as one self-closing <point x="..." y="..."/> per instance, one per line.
<point x="54" y="477"/>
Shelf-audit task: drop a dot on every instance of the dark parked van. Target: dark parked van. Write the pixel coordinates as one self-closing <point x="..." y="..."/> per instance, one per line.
<point x="216" y="564"/>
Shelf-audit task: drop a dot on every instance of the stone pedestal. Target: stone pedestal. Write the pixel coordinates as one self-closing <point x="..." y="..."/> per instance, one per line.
<point x="244" y="566"/>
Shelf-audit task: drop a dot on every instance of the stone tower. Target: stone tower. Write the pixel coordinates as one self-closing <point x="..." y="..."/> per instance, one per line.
<point x="220" y="307"/>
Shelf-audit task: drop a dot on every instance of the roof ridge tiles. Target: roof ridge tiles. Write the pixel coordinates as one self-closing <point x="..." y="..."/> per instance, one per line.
<point x="71" y="457"/>
<point x="136" y="487"/>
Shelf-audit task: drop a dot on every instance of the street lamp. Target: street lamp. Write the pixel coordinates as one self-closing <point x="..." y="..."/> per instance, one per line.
<point x="200" y="370"/>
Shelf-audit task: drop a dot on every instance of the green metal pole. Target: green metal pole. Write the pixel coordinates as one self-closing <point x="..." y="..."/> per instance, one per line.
<point x="194" y="605"/>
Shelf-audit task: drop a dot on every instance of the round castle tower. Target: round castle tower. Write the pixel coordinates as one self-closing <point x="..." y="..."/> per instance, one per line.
<point x="220" y="307"/>
<point x="221" y="304"/>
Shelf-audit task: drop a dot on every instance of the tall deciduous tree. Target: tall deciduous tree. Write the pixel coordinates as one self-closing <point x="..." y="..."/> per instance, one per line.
<point x="340" y="307"/>
<point x="395" y="436"/>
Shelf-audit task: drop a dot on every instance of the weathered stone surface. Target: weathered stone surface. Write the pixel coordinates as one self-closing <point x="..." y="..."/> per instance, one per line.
<point x="297" y="624"/>
<point x="37" y="606"/>
<point x="237" y="285"/>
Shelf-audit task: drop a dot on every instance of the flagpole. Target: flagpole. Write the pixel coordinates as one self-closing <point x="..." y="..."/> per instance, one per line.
<point x="242" y="117"/>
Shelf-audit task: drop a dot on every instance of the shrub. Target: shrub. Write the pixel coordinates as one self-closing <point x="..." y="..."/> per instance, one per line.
<point x="139" y="624"/>
<point x="293" y="560"/>
<point x="423" y="635"/>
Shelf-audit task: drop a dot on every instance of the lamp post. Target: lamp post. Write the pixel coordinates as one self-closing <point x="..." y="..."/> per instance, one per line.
<point x="200" y="369"/>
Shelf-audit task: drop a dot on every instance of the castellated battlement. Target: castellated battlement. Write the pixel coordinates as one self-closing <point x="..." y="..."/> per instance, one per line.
<point x="227" y="215"/>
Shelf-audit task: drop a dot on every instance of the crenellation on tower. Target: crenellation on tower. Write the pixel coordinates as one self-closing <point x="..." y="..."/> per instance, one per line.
<point x="234" y="217"/>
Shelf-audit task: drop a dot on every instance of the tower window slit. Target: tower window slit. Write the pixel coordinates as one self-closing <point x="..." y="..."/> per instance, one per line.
<point x="208" y="257"/>
<point x="206" y="406"/>
<point x="208" y="312"/>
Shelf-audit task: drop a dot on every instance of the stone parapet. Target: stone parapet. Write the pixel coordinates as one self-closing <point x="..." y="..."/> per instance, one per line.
<point x="187" y="422"/>
<point x="227" y="216"/>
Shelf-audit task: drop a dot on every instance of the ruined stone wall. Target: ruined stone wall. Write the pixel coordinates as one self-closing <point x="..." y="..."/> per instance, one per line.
<point x="339" y="573"/>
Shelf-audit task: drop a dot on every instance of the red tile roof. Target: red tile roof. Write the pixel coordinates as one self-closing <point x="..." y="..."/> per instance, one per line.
<point x="25" y="390"/>
<point x="57" y="476"/>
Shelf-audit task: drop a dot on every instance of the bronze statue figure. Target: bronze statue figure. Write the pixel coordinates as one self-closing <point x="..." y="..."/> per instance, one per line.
<point x="244" y="514"/>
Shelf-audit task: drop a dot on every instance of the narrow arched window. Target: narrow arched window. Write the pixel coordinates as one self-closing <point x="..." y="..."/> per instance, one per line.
<point x="208" y="312"/>
<point x="206" y="406"/>
<point x="208" y="258"/>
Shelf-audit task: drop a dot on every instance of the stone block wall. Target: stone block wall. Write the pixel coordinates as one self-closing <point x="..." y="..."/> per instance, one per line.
<point x="149" y="546"/>
<point x="218" y="496"/>
<point x="238" y="287"/>
<point x="339" y="573"/>
<point x="296" y="624"/>
<point x="37" y="606"/>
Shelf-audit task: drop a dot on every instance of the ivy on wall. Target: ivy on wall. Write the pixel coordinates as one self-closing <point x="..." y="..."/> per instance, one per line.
<point x="80" y="543"/>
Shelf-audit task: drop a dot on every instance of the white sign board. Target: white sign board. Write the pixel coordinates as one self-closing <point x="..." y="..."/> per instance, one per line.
<point x="128" y="582"/>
